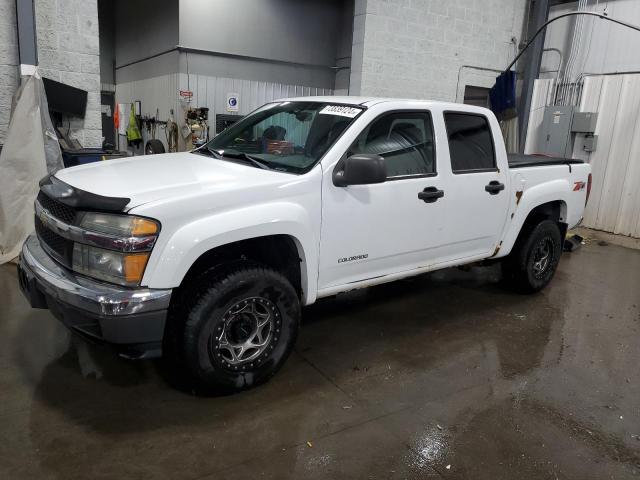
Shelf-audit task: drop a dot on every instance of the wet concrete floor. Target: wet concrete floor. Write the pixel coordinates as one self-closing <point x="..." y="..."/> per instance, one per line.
<point x="446" y="375"/>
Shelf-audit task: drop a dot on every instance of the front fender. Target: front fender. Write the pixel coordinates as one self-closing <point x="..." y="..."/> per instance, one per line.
<point x="172" y="258"/>
<point x="527" y="200"/>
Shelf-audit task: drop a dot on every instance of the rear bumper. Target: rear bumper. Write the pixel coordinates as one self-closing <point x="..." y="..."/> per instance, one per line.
<point x="132" y="320"/>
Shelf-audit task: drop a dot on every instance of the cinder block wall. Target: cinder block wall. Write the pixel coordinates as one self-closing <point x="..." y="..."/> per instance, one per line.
<point x="68" y="52"/>
<point x="426" y="48"/>
<point x="8" y="62"/>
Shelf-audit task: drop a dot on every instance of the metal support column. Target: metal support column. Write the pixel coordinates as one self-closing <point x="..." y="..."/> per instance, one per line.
<point x="531" y="67"/>
<point x="27" y="43"/>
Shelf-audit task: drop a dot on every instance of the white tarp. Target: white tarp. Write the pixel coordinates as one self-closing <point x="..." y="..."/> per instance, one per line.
<point x="30" y="150"/>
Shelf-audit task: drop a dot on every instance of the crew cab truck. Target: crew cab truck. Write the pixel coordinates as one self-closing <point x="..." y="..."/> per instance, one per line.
<point x="206" y="257"/>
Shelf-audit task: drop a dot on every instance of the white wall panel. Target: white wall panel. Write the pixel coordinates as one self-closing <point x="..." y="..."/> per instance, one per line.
<point x="607" y="108"/>
<point x="615" y="197"/>
<point x="628" y="218"/>
<point x="626" y="115"/>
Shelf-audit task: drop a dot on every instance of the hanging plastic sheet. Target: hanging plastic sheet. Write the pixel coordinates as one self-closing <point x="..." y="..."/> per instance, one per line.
<point x="30" y="150"/>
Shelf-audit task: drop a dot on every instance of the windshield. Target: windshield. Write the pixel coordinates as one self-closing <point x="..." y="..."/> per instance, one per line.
<point x="285" y="136"/>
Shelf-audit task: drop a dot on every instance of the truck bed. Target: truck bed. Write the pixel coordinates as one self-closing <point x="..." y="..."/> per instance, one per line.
<point x="519" y="160"/>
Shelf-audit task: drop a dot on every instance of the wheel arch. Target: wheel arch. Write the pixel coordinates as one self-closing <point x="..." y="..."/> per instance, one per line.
<point x="555" y="210"/>
<point x="284" y="253"/>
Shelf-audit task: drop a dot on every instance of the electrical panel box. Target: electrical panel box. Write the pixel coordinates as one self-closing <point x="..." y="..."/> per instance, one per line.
<point x="589" y="143"/>
<point x="584" y="122"/>
<point x="556" y="131"/>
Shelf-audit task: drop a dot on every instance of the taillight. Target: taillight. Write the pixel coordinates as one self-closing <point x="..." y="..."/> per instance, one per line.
<point x="588" y="189"/>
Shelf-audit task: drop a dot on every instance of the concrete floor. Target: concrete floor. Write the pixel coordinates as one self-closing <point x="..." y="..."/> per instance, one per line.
<point x="446" y="375"/>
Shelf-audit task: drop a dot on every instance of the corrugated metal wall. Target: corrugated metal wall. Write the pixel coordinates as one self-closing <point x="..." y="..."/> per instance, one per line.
<point x="162" y="93"/>
<point x="615" y="196"/>
<point x="212" y="92"/>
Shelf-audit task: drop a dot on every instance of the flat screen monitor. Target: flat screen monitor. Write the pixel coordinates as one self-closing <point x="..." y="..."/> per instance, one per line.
<point x="64" y="98"/>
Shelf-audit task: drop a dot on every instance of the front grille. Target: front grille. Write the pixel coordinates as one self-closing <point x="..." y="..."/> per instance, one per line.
<point x="59" y="210"/>
<point x="58" y="247"/>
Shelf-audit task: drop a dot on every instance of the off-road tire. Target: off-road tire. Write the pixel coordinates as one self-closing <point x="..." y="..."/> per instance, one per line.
<point x="201" y="311"/>
<point x="522" y="269"/>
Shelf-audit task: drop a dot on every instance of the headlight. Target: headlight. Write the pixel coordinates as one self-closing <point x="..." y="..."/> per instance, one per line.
<point x="120" y="225"/>
<point x="114" y="248"/>
<point x="115" y="267"/>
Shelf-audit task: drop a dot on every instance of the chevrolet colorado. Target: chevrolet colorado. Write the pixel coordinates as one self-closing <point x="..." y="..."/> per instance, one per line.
<point x="206" y="257"/>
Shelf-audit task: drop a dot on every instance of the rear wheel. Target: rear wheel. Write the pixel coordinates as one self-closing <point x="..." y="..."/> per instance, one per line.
<point x="235" y="330"/>
<point x="534" y="258"/>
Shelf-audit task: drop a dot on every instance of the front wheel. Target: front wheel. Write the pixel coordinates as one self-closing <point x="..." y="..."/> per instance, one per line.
<point x="534" y="258"/>
<point x="235" y="330"/>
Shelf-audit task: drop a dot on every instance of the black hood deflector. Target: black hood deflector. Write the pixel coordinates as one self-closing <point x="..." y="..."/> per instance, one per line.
<point x="79" y="199"/>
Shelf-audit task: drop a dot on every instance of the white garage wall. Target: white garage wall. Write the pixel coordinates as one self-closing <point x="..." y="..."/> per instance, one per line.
<point x="606" y="47"/>
<point x="615" y="197"/>
<point x="162" y="92"/>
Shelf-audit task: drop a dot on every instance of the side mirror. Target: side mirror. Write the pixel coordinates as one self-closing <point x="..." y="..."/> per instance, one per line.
<point x="360" y="169"/>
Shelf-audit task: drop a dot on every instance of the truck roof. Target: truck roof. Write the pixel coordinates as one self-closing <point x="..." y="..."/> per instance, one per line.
<point x="370" y="101"/>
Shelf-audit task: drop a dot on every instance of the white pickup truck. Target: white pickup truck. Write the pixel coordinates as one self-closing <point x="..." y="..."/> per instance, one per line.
<point x="206" y="257"/>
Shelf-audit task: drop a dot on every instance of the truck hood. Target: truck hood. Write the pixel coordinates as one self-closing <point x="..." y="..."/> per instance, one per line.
<point x="149" y="178"/>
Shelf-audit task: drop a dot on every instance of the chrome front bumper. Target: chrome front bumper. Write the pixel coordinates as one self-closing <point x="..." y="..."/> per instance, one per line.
<point x="104" y="312"/>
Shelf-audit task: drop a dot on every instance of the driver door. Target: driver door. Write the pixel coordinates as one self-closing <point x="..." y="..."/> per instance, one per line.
<point x="370" y="231"/>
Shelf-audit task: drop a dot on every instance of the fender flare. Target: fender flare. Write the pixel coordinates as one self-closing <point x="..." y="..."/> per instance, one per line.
<point x="172" y="259"/>
<point x="526" y="201"/>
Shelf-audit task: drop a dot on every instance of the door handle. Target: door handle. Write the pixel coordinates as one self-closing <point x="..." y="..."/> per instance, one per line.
<point x="430" y="194"/>
<point x="494" y="187"/>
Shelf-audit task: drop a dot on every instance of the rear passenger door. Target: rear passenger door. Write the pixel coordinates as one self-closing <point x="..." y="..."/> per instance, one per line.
<point x="478" y="203"/>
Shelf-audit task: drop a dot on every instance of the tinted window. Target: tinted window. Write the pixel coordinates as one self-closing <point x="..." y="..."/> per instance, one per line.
<point x="470" y="142"/>
<point x="405" y="140"/>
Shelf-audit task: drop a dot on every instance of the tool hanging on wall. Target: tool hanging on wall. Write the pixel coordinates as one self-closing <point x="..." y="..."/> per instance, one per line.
<point x="153" y="145"/>
<point x="171" y="133"/>
<point x="151" y="126"/>
<point x="197" y="119"/>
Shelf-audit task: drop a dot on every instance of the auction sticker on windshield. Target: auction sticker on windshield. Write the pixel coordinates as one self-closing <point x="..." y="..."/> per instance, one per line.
<point x="341" y="110"/>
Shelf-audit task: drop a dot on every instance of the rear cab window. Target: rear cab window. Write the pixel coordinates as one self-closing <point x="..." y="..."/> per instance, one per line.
<point x="470" y="141"/>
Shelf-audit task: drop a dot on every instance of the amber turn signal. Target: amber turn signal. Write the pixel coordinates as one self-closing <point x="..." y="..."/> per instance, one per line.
<point x="134" y="265"/>
<point x="142" y="227"/>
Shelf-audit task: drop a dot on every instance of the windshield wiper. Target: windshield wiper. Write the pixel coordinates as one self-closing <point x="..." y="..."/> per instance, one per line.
<point x="207" y="151"/>
<point x="256" y="162"/>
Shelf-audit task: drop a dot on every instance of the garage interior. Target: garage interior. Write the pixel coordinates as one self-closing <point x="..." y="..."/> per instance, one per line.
<point x="443" y="375"/>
